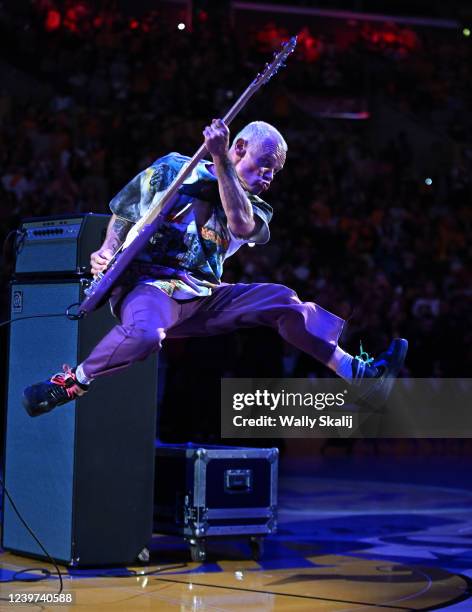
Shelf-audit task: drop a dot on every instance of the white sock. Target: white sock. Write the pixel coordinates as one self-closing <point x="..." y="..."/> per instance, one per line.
<point x="341" y="363"/>
<point x="81" y="377"/>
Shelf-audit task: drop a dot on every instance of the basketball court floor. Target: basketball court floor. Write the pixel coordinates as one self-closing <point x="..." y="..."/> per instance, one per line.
<point x="355" y="534"/>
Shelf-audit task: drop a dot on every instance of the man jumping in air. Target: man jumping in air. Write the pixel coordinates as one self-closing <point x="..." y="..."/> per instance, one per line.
<point x="174" y="289"/>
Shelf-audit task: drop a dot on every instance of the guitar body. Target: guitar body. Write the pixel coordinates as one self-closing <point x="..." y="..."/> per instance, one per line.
<point x="99" y="290"/>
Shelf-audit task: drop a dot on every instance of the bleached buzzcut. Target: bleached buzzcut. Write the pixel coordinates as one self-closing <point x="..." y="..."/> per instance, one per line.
<point x="260" y="131"/>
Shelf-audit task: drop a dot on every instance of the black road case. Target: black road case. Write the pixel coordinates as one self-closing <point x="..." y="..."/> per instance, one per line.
<point x="204" y="492"/>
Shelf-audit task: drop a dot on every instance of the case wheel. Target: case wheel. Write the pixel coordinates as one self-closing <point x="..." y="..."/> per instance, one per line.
<point x="197" y="550"/>
<point x="257" y="547"/>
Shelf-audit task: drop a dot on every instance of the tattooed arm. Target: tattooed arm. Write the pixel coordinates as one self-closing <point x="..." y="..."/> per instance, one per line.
<point x="236" y="204"/>
<point x="116" y="233"/>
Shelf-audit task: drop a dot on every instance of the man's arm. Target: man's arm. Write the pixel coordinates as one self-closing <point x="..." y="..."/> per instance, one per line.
<point x="235" y="202"/>
<point x="116" y="233"/>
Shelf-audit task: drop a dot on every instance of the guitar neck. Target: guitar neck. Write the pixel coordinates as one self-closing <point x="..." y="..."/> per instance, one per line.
<point x="188" y="168"/>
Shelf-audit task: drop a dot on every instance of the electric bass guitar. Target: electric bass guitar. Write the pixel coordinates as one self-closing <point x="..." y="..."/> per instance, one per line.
<point x="99" y="289"/>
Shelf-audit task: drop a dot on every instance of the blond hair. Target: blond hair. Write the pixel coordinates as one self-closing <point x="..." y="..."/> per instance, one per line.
<point x="259" y="131"/>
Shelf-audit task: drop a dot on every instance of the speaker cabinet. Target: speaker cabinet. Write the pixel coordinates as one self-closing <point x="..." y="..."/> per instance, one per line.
<point x="82" y="475"/>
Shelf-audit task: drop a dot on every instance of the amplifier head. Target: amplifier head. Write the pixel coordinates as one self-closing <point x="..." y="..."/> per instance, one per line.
<point x="59" y="245"/>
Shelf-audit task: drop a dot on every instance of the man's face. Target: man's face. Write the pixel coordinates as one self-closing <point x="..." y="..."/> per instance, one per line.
<point x="257" y="163"/>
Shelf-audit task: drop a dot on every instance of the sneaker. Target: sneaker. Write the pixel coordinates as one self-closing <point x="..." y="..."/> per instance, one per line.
<point x="61" y="388"/>
<point x="384" y="369"/>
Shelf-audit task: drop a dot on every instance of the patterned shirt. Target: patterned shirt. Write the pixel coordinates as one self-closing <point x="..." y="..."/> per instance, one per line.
<point x="185" y="256"/>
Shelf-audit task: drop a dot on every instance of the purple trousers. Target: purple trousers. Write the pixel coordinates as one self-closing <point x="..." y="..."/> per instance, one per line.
<point x="148" y="315"/>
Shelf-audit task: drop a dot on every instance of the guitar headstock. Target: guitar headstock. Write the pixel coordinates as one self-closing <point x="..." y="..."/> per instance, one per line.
<point x="277" y="62"/>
